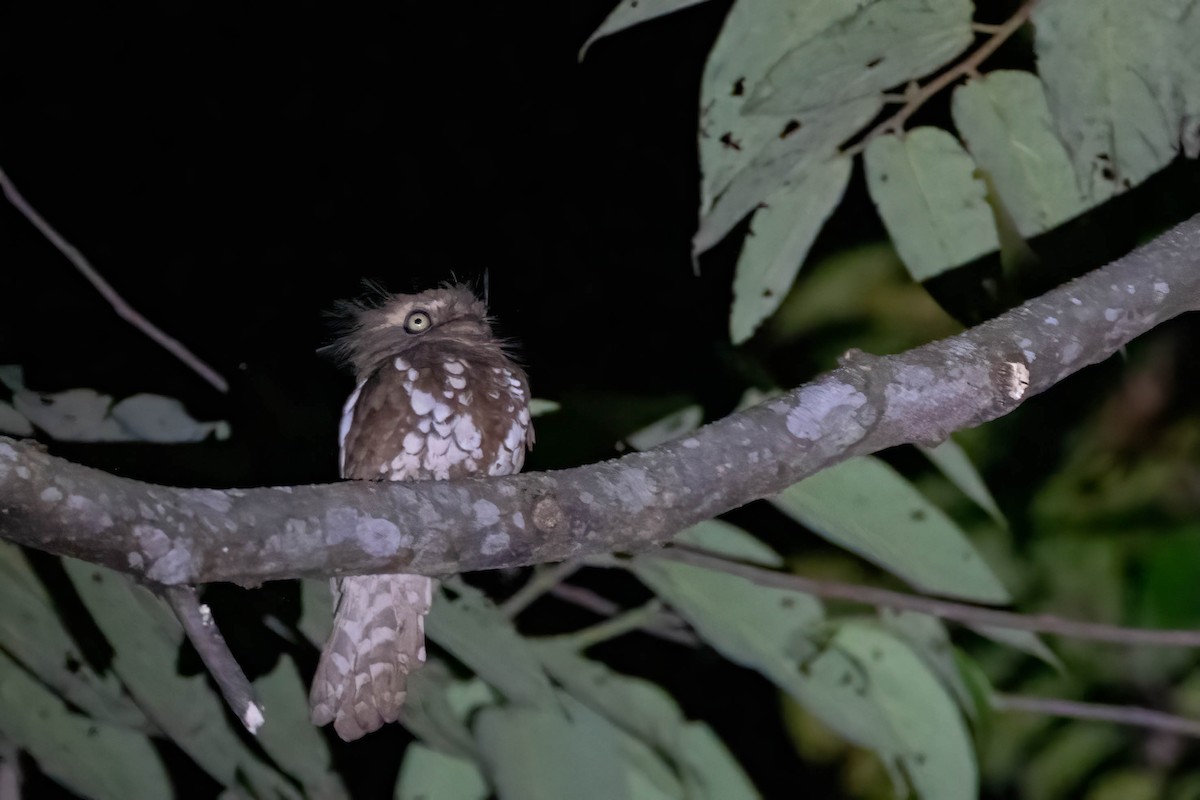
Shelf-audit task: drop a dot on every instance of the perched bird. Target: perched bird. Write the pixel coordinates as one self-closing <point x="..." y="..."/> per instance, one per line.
<point x="438" y="398"/>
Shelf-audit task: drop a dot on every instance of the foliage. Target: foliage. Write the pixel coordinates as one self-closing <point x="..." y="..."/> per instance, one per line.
<point x="791" y="95"/>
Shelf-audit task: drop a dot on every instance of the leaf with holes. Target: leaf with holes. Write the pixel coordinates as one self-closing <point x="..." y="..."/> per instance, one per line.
<point x="881" y="46"/>
<point x="1113" y="77"/>
<point x="756" y="34"/>
<point x="780" y="235"/>
<point x="804" y="143"/>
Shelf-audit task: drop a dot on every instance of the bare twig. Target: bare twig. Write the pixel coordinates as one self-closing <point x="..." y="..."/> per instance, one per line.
<point x="123" y="309"/>
<point x="1122" y="715"/>
<point x="649" y="618"/>
<point x="544" y="579"/>
<point x="665" y="625"/>
<point x="944" y="609"/>
<point x="586" y="598"/>
<point x="969" y="66"/>
<point x="198" y="624"/>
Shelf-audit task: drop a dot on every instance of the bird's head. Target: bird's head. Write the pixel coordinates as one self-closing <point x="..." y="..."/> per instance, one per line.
<point x="449" y="319"/>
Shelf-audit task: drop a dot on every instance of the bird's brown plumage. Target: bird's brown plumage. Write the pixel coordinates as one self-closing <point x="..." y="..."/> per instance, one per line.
<point x="436" y="400"/>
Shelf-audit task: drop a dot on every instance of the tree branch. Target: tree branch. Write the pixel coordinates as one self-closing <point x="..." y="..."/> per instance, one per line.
<point x="665" y="625"/>
<point x="543" y="580"/>
<point x="1122" y="715"/>
<point x="933" y="606"/>
<point x="93" y="276"/>
<point x="182" y="536"/>
<point x="201" y="629"/>
<point x="918" y="95"/>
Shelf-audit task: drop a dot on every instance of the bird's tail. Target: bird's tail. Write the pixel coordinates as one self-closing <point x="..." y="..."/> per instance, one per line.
<point x="378" y="639"/>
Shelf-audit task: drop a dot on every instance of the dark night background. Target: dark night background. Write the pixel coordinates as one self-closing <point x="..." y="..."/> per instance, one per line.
<point x="234" y="171"/>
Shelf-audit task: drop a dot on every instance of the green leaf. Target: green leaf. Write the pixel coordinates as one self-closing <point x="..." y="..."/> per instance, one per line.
<point x="85" y="415"/>
<point x="640" y="729"/>
<point x="935" y="748"/>
<point x="709" y="770"/>
<point x="781" y="233"/>
<point x="548" y="753"/>
<point x="1128" y="784"/>
<point x="438" y="707"/>
<point x="778" y="632"/>
<point x="634" y="12"/>
<point x="646" y="711"/>
<point x="1006" y="124"/>
<point x="288" y="736"/>
<point x="539" y="407"/>
<point x="1187" y="71"/>
<point x="316" y="610"/>
<point x="931" y="200"/>
<point x="1025" y="641"/>
<point x="868" y="508"/>
<point x="471" y="628"/>
<point x="802" y="143"/>
<point x="979" y="688"/>
<point x="952" y="460"/>
<point x="32" y="633"/>
<point x="89" y="757"/>
<point x="756" y="34"/>
<point x="145" y="640"/>
<point x="13" y="422"/>
<point x="1059" y="765"/>
<point x="880" y="46"/>
<point x="929" y="639"/>
<point x="1113" y="78"/>
<point x="427" y="774"/>
<point x="1169" y="593"/>
<point x="730" y="541"/>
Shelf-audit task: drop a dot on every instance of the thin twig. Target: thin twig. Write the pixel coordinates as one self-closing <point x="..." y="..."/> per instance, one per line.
<point x="123" y="309"/>
<point x="642" y="618"/>
<point x="198" y="624"/>
<point x="666" y="625"/>
<point x="543" y="580"/>
<point x="944" y="609"/>
<point x="967" y="67"/>
<point x="586" y="598"/>
<point x="1122" y="715"/>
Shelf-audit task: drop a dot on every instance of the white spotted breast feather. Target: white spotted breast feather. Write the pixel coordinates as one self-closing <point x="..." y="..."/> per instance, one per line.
<point x="427" y="416"/>
<point x="430" y="409"/>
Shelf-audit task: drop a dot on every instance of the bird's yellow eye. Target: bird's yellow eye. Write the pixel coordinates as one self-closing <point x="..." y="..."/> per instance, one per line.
<point x="417" y="322"/>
